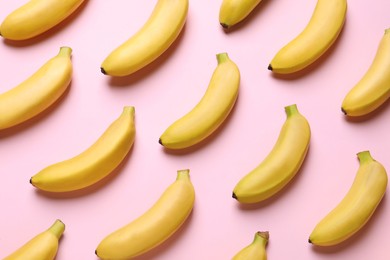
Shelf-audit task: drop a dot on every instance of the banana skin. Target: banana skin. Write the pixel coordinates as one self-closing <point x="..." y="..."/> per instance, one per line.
<point x="232" y="12"/>
<point x="36" y="17"/>
<point x="151" y="41"/>
<point x="317" y="37"/>
<point x="281" y="164"/>
<point x="38" y="92"/>
<point x="154" y="226"/>
<point x="357" y="207"/>
<point x="373" y="89"/>
<point x="210" y="112"/>
<point x="95" y="163"/>
<point x="43" y="246"/>
<point x="256" y="250"/>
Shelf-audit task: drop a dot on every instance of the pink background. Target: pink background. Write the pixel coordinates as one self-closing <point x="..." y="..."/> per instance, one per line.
<point x="166" y="90"/>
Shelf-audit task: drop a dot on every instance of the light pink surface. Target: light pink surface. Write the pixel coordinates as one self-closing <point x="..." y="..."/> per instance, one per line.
<point x="167" y="89"/>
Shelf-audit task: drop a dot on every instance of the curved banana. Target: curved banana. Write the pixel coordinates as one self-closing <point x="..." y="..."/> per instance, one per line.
<point x="43" y="246"/>
<point x="36" y="17"/>
<point x="281" y="164"/>
<point x="374" y="87"/>
<point x="256" y="250"/>
<point x="232" y="12"/>
<point x="153" y="39"/>
<point x="153" y="227"/>
<point x="95" y="163"/>
<point x="356" y="208"/>
<point x="38" y="92"/>
<point x="210" y="112"/>
<point x="320" y="33"/>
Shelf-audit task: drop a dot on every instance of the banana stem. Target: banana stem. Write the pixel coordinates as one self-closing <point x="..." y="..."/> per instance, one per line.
<point x="291" y="109"/>
<point x="387" y="30"/>
<point x="57" y="228"/>
<point x="129" y="110"/>
<point x="222" y="57"/>
<point x="183" y="174"/>
<point x="261" y="237"/>
<point x="65" y="51"/>
<point x="364" y="156"/>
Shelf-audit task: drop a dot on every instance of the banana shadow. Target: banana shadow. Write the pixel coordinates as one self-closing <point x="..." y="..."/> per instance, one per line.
<point x="44" y="115"/>
<point x="201" y="145"/>
<point x="141" y="74"/>
<point x="261" y="7"/>
<point x="376" y="113"/>
<point x="103" y="183"/>
<point x="358" y="237"/>
<point x="156" y="252"/>
<point x="316" y="64"/>
<point x="285" y="190"/>
<point x="49" y="33"/>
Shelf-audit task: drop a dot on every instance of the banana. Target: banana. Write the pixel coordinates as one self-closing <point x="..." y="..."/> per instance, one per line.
<point x="38" y="92"/>
<point x="256" y="250"/>
<point x="232" y="12"/>
<point x="43" y="246"/>
<point x="281" y="164"/>
<point x="210" y="112"/>
<point x="320" y="33"/>
<point x="356" y="208"/>
<point x="153" y="39"/>
<point x="36" y="17"/>
<point x="153" y="227"/>
<point x="93" y="164"/>
<point x="373" y="89"/>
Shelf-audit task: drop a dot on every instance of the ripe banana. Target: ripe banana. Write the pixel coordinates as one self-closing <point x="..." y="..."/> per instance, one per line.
<point x="281" y="164"/>
<point x="38" y="92"/>
<point x="210" y="112"/>
<point x="93" y="164"/>
<point x="153" y="227"/>
<point x="356" y="208"/>
<point x="232" y="12"/>
<point x="153" y="39"/>
<point x="320" y="33"/>
<point x="36" y="17"/>
<point x="374" y="87"/>
<point x="44" y="246"/>
<point x="256" y="250"/>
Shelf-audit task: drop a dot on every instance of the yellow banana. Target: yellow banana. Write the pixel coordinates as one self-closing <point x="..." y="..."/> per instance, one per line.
<point x="153" y="39"/>
<point x="93" y="164"/>
<point x="36" y="17"/>
<point x="232" y="12"/>
<point x="210" y="112"/>
<point x="320" y="33"/>
<point x="153" y="227"/>
<point x="356" y="208"/>
<point x="38" y="92"/>
<point x="281" y="164"/>
<point x="374" y="87"/>
<point x="43" y="246"/>
<point x="256" y="250"/>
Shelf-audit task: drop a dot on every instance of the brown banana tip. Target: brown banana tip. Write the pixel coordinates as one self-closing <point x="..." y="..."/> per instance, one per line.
<point x="309" y="241"/>
<point x="96" y="252"/>
<point x="234" y="195"/>
<point x="31" y="181"/>
<point x="224" y="25"/>
<point x="342" y="110"/>
<point x="270" y="67"/>
<point x="103" y="71"/>
<point x="159" y="141"/>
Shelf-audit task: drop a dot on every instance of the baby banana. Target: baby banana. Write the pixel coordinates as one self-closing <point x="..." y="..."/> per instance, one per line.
<point x="153" y="227"/>
<point x="38" y="92"/>
<point x="153" y="39"/>
<point x="93" y="164"/>
<point x="320" y="33"/>
<point x="256" y="250"/>
<point x="232" y="12"/>
<point x="281" y="164"/>
<point x="210" y="112"/>
<point x="374" y="87"/>
<point x="36" y="17"/>
<point x="44" y="246"/>
<point x="356" y="208"/>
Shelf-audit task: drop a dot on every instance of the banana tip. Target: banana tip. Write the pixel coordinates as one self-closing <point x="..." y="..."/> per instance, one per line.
<point x="96" y="252"/>
<point x="234" y="196"/>
<point x="270" y="67"/>
<point x="160" y="142"/>
<point x="224" y="25"/>
<point x="103" y="71"/>
<point x="309" y="241"/>
<point x="343" y="110"/>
